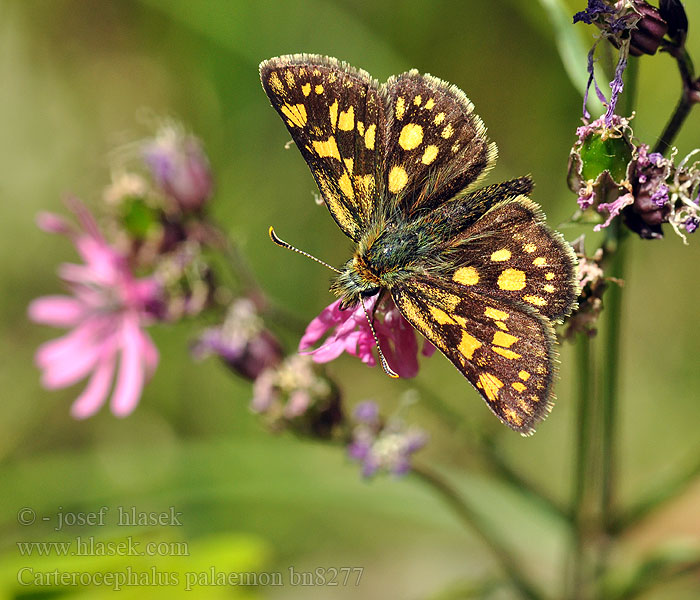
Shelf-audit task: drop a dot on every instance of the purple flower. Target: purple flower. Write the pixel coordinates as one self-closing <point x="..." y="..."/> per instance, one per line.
<point x="348" y="331"/>
<point x="613" y="209"/>
<point x="180" y="167"/>
<point x="691" y="224"/>
<point x="382" y="447"/>
<point x="107" y="312"/>
<point x="242" y="341"/>
<point x="595" y="9"/>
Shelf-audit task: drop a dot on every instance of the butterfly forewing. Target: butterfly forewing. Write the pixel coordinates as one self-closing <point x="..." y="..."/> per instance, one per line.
<point x="435" y="144"/>
<point x="336" y="118"/>
<point x="504" y="352"/>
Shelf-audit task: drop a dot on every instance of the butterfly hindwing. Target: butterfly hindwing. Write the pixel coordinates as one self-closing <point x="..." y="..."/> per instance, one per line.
<point x="511" y="255"/>
<point x="505" y="352"/>
<point x="436" y="145"/>
<point x="336" y="118"/>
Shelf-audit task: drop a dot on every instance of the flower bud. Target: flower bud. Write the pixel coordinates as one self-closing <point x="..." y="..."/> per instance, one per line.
<point x="180" y="168"/>
<point x="650" y="30"/>
<point x="242" y="342"/>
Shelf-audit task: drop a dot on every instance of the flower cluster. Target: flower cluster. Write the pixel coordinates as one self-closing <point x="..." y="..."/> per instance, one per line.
<point x="615" y="176"/>
<point x="149" y="270"/>
<point x="383" y="446"/>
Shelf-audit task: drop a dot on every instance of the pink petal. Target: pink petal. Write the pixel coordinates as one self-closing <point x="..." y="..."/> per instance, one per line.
<point x="78" y="341"/>
<point x="53" y="223"/>
<point x="95" y="393"/>
<point x="57" y="311"/>
<point x="317" y="328"/>
<point x="130" y="378"/>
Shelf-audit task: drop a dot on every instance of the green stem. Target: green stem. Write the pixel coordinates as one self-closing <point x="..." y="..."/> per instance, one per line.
<point x="675" y="123"/>
<point x="610" y="373"/>
<point x="473" y="521"/>
<point x="581" y="494"/>
<point x="689" y="97"/>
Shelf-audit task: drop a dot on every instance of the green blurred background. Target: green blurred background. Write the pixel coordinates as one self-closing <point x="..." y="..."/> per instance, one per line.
<point x="78" y="78"/>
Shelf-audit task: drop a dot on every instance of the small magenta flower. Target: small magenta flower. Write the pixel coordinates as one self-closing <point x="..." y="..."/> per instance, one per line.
<point x="107" y="312"/>
<point x="242" y="342"/>
<point x="296" y="395"/>
<point x="382" y="446"/>
<point x="348" y="331"/>
<point x="180" y="167"/>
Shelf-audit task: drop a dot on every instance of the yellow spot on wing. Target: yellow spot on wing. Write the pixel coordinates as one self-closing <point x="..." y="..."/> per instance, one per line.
<point x="512" y="417"/>
<point x="500" y="255"/>
<point x="536" y="300"/>
<point x="346" y="121"/>
<point x="504" y="339"/>
<point x="289" y="77"/>
<point x="306" y="89"/>
<point x="276" y="84"/>
<point x="494" y="313"/>
<point x="349" y="163"/>
<point x="490" y="384"/>
<point x="440" y="316"/>
<point x="447" y="131"/>
<point x="327" y="148"/>
<point x="505" y="352"/>
<point x="511" y="280"/>
<point x="439" y="118"/>
<point x="549" y="288"/>
<point x="549" y="276"/>
<point x="411" y="136"/>
<point x="524" y="375"/>
<point x="429" y="104"/>
<point x="319" y="89"/>
<point x="346" y="186"/>
<point x="369" y="137"/>
<point x="529" y="247"/>
<point x="397" y="179"/>
<point x="296" y="114"/>
<point x="333" y="113"/>
<point x="518" y="386"/>
<point x="417" y="100"/>
<point x="400" y="107"/>
<point x="540" y="261"/>
<point x="466" y="276"/>
<point x="361" y="128"/>
<point x="429" y="155"/>
<point x="468" y="345"/>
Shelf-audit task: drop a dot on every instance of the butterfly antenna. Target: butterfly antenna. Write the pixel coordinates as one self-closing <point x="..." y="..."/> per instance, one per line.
<point x="283" y="244"/>
<point x="385" y="365"/>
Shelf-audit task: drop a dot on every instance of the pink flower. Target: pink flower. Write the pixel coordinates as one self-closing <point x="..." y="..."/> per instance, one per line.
<point x="348" y="331"/>
<point x="106" y="313"/>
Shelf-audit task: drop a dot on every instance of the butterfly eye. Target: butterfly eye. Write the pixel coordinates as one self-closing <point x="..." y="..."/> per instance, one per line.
<point x="369" y="292"/>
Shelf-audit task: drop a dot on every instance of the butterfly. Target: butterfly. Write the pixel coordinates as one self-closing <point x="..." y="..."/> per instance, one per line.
<point x="475" y="270"/>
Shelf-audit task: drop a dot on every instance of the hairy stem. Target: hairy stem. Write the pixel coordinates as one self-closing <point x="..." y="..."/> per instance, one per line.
<point x="474" y="522"/>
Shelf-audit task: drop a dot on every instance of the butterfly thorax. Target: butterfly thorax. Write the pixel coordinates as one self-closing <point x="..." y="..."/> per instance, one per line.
<point x="386" y="255"/>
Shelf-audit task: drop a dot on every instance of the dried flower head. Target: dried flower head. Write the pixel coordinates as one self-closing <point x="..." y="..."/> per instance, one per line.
<point x="296" y="395"/>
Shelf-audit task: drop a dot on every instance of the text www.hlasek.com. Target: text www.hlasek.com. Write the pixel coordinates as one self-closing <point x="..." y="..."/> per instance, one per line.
<point x="89" y="546"/>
